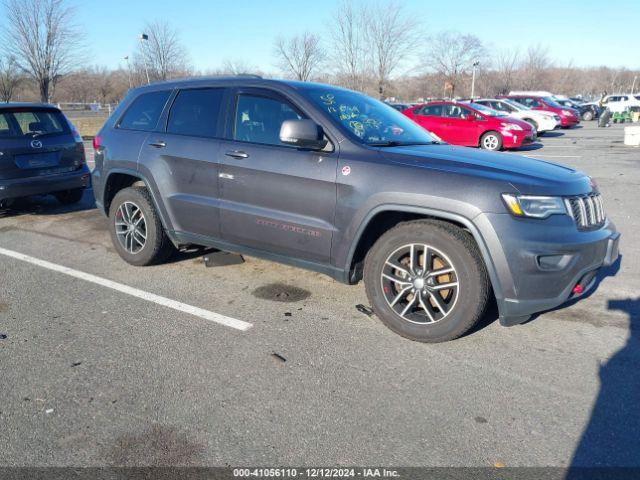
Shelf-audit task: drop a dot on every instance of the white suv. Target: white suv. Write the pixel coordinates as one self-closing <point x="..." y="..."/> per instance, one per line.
<point x="620" y="102"/>
<point x="542" y="120"/>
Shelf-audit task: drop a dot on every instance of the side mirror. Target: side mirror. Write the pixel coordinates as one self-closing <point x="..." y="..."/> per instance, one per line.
<point x="303" y="133"/>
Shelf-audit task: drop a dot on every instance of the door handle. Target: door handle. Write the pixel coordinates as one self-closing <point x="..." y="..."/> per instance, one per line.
<point x="158" y="144"/>
<point x="237" y="154"/>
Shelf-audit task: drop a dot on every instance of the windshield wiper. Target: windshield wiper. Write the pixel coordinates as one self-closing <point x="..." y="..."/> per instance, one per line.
<point x="394" y="143"/>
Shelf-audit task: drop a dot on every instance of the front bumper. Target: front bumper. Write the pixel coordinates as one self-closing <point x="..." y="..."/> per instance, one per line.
<point x="42" y="185"/>
<point x="569" y="121"/>
<point x="539" y="263"/>
<point x="516" y="139"/>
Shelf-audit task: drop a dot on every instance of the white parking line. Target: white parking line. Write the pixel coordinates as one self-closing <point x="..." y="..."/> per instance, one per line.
<point x="533" y="155"/>
<point x="134" y="292"/>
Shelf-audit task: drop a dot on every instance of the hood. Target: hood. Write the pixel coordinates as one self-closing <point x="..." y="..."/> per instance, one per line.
<point x="525" y="174"/>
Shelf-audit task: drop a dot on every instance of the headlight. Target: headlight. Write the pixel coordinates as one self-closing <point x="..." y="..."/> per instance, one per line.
<point x="510" y="126"/>
<point x="533" y="206"/>
<point x="566" y="112"/>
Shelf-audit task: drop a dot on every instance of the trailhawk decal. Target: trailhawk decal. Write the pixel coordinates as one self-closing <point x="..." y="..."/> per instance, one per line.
<point x="287" y="227"/>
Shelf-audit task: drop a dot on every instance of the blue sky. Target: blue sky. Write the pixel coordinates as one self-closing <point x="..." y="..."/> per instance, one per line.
<point x="584" y="32"/>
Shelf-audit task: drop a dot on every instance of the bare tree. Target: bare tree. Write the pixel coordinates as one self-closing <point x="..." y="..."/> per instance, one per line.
<point x="506" y="66"/>
<point x="535" y="68"/>
<point x="9" y="78"/>
<point x="238" y="67"/>
<point x="300" y="55"/>
<point x="348" y="39"/>
<point x="162" y="52"/>
<point x="452" y="55"/>
<point x="43" y="39"/>
<point x="391" y="37"/>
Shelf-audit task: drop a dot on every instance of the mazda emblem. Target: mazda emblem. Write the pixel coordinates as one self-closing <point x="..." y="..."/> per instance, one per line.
<point x="36" y="144"/>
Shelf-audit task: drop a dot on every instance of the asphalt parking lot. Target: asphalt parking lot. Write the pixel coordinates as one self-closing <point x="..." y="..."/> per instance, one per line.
<point x="97" y="376"/>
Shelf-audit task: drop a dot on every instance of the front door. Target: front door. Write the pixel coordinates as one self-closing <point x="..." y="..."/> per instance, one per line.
<point x="273" y="196"/>
<point x="460" y="125"/>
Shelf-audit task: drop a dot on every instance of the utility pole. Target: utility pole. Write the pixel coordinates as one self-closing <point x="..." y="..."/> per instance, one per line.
<point x="473" y="79"/>
<point x="129" y="71"/>
<point x="144" y="38"/>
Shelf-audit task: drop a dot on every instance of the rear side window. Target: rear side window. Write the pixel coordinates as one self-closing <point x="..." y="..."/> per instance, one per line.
<point x="258" y="119"/>
<point x="30" y="123"/>
<point x="196" y="112"/>
<point x="144" y="112"/>
<point x="432" y="110"/>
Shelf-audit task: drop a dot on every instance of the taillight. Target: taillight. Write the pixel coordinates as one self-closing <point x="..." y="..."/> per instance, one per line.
<point x="96" y="142"/>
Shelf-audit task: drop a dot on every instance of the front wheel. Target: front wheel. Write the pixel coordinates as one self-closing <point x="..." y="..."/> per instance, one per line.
<point x="491" y="141"/>
<point x="587" y="116"/>
<point x="426" y="281"/>
<point x="136" y="230"/>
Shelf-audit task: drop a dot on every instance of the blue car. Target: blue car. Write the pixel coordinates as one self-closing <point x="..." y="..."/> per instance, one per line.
<point x="40" y="153"/>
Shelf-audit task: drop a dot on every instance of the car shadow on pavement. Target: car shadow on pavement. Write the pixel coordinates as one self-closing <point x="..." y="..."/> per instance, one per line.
<point x="552" y="134"/>
<point x="47" y="205"/>
<point x="610" y="438"/>
<point x="530" y="147"/>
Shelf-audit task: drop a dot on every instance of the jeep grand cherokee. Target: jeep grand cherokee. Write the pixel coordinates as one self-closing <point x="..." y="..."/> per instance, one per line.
<point x="331" y="180"/>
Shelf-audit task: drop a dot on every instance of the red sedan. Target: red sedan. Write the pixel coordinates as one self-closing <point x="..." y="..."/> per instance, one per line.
<point x="569" y="117"/>
<point x="472" y="125"/>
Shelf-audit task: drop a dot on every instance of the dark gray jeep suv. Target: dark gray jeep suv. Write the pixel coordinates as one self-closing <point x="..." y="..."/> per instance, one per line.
<point x="40" y="153"/>
<point x="333" y="181"/>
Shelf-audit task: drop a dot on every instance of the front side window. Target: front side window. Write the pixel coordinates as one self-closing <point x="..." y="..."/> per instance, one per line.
<point x="144" y="112"/>
<point x="31" y="123"/>
<point x="258" y="119"/>
<point x="457" y="111"/>
<point x="367" y="120"/>
<point x="196" y="112"/>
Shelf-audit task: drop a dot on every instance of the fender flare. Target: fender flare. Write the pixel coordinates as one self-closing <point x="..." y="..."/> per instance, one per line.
<point x="152" y="190"/>
<point x="437" y="214"/>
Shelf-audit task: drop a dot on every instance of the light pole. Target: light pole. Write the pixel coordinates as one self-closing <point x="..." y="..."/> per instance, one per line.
<point x="633" y="87"/>
<point x="144" y="38"/>
<point x="128" y="70"/>
<point x="473" y="79"/>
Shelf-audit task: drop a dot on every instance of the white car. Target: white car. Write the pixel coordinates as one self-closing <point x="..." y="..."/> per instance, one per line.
<point x="620" y="102"/>
<point x="542" y="120"/>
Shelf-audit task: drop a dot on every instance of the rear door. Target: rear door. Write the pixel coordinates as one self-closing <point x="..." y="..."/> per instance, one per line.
<point x="430" y="118"/>
<point x="183" y="157"/>
<point x="274" y="196"/>
<point x="36" y="142"/>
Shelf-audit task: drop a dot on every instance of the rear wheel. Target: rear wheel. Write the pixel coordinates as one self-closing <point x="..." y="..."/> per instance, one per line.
<point x="69" y="197"/>
<point x="491" y="141"/>
<point x="426" y="281"/>
<point x="136" y="230"/>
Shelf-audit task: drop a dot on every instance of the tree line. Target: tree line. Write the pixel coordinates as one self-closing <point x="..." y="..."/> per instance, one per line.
<point x="378" y="47"/>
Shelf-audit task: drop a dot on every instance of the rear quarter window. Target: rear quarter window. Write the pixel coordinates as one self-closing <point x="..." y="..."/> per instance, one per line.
<point x="144" y="113"/>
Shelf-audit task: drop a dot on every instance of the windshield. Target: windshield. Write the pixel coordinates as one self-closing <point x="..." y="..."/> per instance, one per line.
<point x="516" y="105"/>
<point x="486" y="110"/>
<point x="368" y="120"/>
<point x="551" y="102"/>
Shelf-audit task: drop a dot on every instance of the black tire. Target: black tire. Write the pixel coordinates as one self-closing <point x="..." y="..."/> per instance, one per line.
<point x="157" y="247"/>
<point x="587" y="116"/>
<point x="69" y="197"/>
<point x="496" y="145"/>
<point x="470" y="273"/>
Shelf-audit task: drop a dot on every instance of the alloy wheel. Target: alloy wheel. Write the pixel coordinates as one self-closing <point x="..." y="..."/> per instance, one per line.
<point x="490" y="142"/>
<point x="420" y="283"/>
<point x="131" y="227"/>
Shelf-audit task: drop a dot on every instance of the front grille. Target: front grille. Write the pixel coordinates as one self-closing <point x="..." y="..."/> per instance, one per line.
<point x="586" y="210"/>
